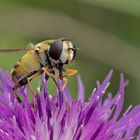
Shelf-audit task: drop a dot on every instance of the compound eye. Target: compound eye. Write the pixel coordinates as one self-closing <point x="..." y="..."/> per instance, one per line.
<point x="56" y="49"/>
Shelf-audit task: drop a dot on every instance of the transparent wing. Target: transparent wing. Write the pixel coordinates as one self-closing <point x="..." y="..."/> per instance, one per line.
<point x="14" y="50"/>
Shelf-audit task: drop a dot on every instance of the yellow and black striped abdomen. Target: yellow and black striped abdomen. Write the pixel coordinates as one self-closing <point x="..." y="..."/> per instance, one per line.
<point x="28" y="63"/>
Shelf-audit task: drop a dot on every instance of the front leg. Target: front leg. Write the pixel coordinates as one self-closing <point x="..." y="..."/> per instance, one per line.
<point x="51" y="75"/>
<point x="63" y="75"/>
<point x="67" y="73"/>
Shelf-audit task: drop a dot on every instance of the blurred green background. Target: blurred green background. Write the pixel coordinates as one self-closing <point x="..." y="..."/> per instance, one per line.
<point x="106" y="31"/>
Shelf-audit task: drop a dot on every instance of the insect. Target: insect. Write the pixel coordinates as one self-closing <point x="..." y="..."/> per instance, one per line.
<point x="48" y="56"/>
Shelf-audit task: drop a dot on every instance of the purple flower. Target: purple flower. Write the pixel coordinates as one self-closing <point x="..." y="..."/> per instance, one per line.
<point x="60" y="117"/>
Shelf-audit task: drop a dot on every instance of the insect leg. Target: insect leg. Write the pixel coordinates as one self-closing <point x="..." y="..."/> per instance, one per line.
<point x="45" y="69"/>
<point x="25" y="80"/>
<point x="65" y="83"/>
<point x="67" y="73"/>
<point x="15" y="92"/>
<point x="29" y="78"/>
<point x="32" y="91"/>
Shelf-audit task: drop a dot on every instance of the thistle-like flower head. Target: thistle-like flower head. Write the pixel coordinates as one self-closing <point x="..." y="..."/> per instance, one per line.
<point x="60" y="117"/>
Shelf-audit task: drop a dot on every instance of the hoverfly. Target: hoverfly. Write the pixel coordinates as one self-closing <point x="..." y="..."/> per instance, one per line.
<point x="48" y="56"/>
